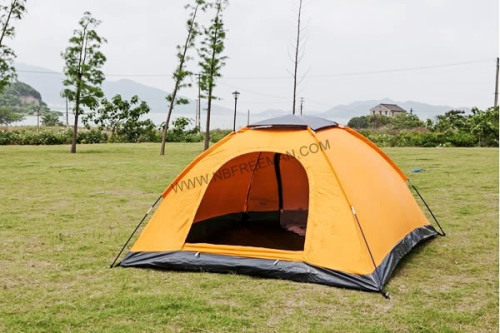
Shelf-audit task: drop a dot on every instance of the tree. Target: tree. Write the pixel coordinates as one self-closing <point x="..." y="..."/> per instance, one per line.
<point x="181" y="72"/>
<point x="212" y="60"/>
<point x="406" y="121"/>
<point x="121" y="118"/>
<point x="358" y="122"/>
<point x="51" y="119"/>
<point x="454" y="120"/>
<point x="83" y="69"/>
<point x="9" y="12"/>
<point x="378" y="121"/>
<point x="180" y="125"/>
<point x="484" y="126"/>
<point x="8" y="117"/>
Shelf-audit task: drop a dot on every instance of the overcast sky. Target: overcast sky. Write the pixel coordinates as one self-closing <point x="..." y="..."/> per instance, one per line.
<point x="433" y="51"/>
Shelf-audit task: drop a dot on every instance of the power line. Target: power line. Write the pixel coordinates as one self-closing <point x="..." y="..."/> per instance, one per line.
<point x="402" y="69"/>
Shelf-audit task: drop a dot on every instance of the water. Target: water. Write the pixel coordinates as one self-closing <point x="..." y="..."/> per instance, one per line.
<point x="216" y="121"/>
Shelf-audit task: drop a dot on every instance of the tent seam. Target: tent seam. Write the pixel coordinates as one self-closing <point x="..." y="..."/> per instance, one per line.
<point x="194" y="162"/>
<point x="313" y="134"/>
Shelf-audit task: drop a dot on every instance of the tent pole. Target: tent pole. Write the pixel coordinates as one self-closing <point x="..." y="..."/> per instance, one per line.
<point x="133" y="232"/>
<point x="277" y="170"/>
<point x="245" y="207"/>
<point x="442" y="233"/>
<point x="381" y="290"/>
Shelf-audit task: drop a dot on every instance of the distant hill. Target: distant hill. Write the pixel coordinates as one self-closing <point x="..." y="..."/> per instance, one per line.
<point x="22" y="98"/>
<point x="271" y="113"/>
<point x="343" y="113"/>
<point x="49" y="83"/>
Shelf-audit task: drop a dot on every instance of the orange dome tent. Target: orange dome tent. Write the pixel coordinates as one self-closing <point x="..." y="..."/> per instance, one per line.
<point x="294" y="197"/>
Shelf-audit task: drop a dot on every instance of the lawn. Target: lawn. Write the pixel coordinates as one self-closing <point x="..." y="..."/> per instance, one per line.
<point x="64" y="217"/>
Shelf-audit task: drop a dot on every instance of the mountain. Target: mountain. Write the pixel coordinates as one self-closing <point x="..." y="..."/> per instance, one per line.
<point x="49" y="84"/>
<point x="271" y="113"/>
<point x="342" y="113"/>
<point x="46" y="81"/>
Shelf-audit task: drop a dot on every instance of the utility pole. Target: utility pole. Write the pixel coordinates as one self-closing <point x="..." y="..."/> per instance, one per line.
<point x="496" y="86"/>
<point x="248" y="117"/>
<point x="198" y="115"/>
<point x="297" y="46"/>
<point x="301" y="105"/>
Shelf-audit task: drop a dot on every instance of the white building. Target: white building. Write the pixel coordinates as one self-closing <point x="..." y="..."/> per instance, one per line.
<point x="388" y="110"/>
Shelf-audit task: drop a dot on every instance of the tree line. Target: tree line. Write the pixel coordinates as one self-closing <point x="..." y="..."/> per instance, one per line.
<point x="84" y="61"/>
<point x="121" y="120"/>
<point x="454" y="128"/>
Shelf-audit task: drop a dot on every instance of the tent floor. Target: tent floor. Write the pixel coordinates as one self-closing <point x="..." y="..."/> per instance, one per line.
<point x="250" y="229"/>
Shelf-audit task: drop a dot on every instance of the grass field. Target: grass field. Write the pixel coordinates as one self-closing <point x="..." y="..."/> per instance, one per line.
<point x="64" y="217"/>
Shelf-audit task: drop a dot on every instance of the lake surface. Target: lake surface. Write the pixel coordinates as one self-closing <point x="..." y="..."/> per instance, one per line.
<point x="216" y="120"/>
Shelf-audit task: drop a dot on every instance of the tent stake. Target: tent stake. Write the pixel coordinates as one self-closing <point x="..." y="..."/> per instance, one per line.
<point x="442" y="233"/>
<point x="133" y="232"/>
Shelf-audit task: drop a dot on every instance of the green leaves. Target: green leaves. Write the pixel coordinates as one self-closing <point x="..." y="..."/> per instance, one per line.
<point x="181" y="73"/>
<point x="7" y="116"/>
<point x="8" y="13"/>
<point x="83" y="68"/>
<point x="83" y="64"/>
<point x="122" y="118"/>
<point x="211" y="49"/>
<point x="51" y="119"/>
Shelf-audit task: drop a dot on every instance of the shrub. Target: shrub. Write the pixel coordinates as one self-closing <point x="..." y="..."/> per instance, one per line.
<point x="92" y="136"/>
<point x="24" y="137"/>
<point x="217" y="134"/>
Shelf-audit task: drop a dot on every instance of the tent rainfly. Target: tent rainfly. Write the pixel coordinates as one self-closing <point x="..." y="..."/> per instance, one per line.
<point x="294" y="197"/>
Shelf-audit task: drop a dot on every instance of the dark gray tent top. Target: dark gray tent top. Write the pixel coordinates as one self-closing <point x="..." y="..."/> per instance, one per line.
<point x="315" y="123"/>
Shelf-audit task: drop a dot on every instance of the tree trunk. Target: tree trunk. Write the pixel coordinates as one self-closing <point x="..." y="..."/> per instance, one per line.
<point x="177" y="82"/>
<point x="7" y="22"/>
<point x="169" y="114"/>
<point x="77" y="113"/>
<point x="75" y="132"/>
<point x="207" y="133"/>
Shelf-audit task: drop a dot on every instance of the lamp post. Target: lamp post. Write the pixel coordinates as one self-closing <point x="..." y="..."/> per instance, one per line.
<point x="235" y="95"/>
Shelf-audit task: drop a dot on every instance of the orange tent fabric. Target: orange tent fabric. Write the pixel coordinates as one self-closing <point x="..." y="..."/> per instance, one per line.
<point x="290" y="201"/>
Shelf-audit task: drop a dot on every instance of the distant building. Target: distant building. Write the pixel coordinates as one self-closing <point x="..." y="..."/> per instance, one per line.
<point x="388" y="110"/>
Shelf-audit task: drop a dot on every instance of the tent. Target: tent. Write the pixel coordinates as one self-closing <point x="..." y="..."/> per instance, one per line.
<point x="294" y="197"/>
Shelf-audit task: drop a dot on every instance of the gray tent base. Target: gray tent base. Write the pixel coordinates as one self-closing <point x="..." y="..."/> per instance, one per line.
<point x="279" y="269"/>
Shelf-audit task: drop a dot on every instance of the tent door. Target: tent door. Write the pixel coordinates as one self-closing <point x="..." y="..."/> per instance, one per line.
<point x="258" y="199"/>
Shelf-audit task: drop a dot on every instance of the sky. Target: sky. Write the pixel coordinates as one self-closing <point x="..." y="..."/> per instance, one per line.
<point x="440" y="52"/>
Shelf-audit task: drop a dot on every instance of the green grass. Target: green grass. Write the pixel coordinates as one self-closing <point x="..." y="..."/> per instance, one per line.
<point x="64" y="217"/>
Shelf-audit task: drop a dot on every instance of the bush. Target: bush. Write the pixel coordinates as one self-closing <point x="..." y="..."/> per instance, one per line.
<point x="51" y="119"/>
<point x="8" y="138"/>
<point x="217" y="134"/>
<point x="92" y="136"/>
<point x="26" y="137"/>
<point x="414" y="138"/>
